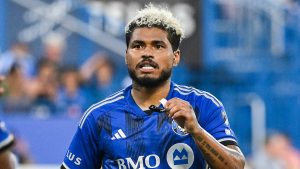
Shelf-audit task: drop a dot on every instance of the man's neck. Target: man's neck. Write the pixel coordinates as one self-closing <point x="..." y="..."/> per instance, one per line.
<point x="144" y="97"/>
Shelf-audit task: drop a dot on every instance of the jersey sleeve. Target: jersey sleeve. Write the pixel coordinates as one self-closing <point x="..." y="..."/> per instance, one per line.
<point x="215" y="121"/>
<point x="83" y="151"/>
<point x="6" y="138"/>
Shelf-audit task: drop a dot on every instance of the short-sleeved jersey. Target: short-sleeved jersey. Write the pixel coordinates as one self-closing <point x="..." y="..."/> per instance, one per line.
<point x="116" y="134"/>
<point x="6" y="138"/>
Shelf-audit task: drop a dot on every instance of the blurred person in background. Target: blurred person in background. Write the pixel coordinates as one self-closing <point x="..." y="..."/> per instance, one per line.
<point x="278" y="153"/>
<point x="98" y="77"/>
<point x="15" y="99"/>
<point x="133" y="129"/>
<point x="71" y="97"/>
<point x="18" y="54"/>
<point x="43" y="89"/>
<point x="53" y="48"/>
<point x="7" y="158"/>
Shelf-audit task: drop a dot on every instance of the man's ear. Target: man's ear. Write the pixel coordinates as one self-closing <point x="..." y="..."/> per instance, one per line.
<point x="176" y="58"/>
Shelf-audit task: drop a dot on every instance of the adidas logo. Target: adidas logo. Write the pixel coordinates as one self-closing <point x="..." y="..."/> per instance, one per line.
<point x="118" y="135"/>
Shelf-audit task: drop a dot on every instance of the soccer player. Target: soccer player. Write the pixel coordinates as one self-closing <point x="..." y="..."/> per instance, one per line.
<point x="133" y="129"/>
<point x="7" y="159"/>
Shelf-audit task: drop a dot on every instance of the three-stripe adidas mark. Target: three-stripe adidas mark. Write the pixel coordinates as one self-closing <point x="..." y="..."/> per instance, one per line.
<point x="118" y="135"/>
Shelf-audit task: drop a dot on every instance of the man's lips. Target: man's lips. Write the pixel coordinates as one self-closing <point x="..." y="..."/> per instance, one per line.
<point x="147" y="65"/>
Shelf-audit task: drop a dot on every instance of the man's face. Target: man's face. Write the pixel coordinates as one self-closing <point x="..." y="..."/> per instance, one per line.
<point x="150" y="57"/>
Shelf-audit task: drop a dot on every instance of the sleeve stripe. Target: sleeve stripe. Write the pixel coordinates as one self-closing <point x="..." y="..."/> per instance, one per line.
<point x="227" y="143"/>
<point x="99" y="103"/>
<point x="227" y="139"/>
<point x="65" y="165"/>
<point x="7" y="141"/>
<point x="199" y="93"/>
<point x="97" y="106"/>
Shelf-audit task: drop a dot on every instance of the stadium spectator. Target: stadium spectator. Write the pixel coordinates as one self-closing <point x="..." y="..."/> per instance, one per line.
<point x="43" y="89"/>
<point x="71" y="97"/>
<point x="53" y="45"/>
<point x="18" y="54"/>
<point x="53" y="48"/>
<point x="278" y="153"/>
<point x="2" y="88"/>
<point x="133" y="129"/>
<point x="98" y="76"/>
<point x="16" y="99"/>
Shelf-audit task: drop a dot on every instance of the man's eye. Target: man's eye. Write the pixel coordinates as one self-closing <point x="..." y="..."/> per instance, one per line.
<point x="159" y="46"/>
<point x="137" y="46"/>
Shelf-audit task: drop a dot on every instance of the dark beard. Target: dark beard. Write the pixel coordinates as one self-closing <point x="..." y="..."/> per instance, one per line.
<point x="149" y="82"/>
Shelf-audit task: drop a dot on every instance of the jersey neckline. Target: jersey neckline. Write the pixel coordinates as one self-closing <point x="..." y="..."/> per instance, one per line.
<point x="133" y="105"/>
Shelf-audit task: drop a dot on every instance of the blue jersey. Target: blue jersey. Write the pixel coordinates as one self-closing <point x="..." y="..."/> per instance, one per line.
<point x="116" y="134"/>
<point x="6" y="138"/>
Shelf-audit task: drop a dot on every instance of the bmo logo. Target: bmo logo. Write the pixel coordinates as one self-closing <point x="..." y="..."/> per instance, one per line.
<point x="149" y="161"/>
<point x="180" y="156"/>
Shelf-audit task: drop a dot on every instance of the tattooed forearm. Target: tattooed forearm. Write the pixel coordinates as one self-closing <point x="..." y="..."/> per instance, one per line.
<point x="235" y="153"/>
<point x="208" y="157"/>
<point x="217" y="155"/>
<point x="209" y="152"/>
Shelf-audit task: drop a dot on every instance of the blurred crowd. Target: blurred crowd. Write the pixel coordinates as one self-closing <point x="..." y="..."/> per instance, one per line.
<point x="43" y="86"/>
<point x="277" y="153"/>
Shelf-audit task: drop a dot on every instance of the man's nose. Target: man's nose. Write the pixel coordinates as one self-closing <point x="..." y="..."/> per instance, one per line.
<point x="148" y="53"/>
<point x="147" y="56"/>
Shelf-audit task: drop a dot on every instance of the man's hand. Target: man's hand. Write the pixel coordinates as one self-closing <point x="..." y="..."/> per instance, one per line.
<point x="215" y="154"/>
<point x="182" y="112"/>
<point x="1" y="85"/>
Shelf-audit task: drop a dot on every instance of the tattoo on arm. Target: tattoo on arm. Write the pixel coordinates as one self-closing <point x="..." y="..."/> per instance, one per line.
<point x="210" y="152"/>
<point x="213" y="156"/>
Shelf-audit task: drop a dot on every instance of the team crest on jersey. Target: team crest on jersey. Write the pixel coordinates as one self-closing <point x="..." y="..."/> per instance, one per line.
<point x="180" y="155"/>
<point x="178" y="130"/>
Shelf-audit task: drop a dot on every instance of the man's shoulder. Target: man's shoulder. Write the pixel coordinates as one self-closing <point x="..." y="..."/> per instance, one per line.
<point x="106" y="105"/>
<point x="110" y="102"/>
<point x="189" y="91"/>
<point x="194" y="94"/>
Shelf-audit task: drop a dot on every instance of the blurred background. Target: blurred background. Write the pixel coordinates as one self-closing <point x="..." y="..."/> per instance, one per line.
<point x="60" y="56"/>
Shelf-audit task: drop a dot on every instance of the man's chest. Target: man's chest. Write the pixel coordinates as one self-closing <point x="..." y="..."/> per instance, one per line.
<point x="152" y="142"/>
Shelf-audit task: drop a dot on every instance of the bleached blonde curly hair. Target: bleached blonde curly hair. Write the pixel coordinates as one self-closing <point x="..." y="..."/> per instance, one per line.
<point x="158" y="17"/>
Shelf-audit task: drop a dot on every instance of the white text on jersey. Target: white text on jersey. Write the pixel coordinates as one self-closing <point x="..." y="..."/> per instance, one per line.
<point x="142" y="161"/>
<point x="72" y="157"/>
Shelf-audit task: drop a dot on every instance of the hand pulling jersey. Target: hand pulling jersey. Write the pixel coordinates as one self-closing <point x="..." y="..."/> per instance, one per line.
<point x="116" y="134"/>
